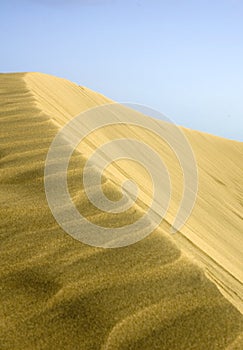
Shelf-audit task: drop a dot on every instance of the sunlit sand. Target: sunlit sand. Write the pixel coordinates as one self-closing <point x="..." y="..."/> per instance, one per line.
<point x="181" y="291"/>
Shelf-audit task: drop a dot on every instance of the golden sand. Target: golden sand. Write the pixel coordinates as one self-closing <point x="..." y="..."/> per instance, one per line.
<point x="57" y="293"/>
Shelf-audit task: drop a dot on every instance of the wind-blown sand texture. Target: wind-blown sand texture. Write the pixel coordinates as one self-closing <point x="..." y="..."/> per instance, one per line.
<point x="57" y="293"/>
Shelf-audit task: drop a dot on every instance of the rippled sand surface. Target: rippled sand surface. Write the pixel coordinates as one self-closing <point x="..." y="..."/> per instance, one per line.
<point x="164" y="292"/>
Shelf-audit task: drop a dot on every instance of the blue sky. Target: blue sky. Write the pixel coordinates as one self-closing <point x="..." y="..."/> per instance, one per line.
<point x="183" y="58"/>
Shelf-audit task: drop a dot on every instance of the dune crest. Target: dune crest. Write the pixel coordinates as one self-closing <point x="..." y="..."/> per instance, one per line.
<point x="215" y="226"/>
<point x="59" y="293"/>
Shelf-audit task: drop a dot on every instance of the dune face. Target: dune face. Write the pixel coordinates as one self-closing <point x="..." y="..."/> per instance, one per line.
<point x="58" y="293"/>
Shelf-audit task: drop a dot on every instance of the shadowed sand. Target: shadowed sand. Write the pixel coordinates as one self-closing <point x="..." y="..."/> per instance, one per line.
<point x="57" y="293"/>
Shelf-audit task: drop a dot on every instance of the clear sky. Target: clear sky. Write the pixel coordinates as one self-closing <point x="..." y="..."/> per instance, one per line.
<point x="181" y="57"/>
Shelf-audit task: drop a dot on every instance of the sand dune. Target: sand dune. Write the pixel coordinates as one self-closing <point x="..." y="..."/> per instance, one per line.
<point x="59" y="293"/>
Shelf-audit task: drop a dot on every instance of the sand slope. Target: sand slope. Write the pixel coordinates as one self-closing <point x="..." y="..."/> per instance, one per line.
<point x="58" y="293"/>
<point x="216" y="224"/>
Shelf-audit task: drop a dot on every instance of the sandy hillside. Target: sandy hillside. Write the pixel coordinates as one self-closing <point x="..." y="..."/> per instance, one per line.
<point x="58" y="293"/>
